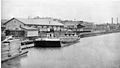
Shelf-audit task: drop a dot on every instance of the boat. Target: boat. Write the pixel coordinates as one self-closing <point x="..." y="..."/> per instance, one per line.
<point x="69" y="38"/>
<point x="25" y="44"/>
<point x="52" y="41"/>
<point x="49" y="41"/>
<point x="26" y="41"/>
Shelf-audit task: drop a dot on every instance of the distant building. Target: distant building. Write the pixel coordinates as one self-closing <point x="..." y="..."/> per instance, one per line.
<point x="88" y="26"/>
<point x="71" y="24"/>
<point x="106" y="27"/>
<point x="113" y="26"/>
<point x="102" y="27"/>
<point x="118" y="28"/>
<point x="79" y="25"/>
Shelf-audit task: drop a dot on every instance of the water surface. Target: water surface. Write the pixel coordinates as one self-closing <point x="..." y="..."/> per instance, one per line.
<point x="91" y="52"/>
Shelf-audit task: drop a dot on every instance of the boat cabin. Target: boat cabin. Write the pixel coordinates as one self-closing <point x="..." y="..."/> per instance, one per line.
<point x="70" y="34"/>
<point x="50" y="35"/>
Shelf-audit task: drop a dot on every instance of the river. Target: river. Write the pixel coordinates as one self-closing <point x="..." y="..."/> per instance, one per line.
<point x="91" y="52"/>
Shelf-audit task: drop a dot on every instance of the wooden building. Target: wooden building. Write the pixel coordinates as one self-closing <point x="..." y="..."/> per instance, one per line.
<point x="16" y="23"/>
<point x="30" y="31"/>
<point x="28" y="24"/>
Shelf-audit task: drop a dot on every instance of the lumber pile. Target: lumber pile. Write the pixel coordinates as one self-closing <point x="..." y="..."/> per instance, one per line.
<point x="10" y="48"/>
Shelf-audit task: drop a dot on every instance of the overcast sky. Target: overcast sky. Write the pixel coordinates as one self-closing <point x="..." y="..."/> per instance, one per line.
<point x="97" y="11"/>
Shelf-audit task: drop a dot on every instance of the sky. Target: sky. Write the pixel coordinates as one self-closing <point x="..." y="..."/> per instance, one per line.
<point x="97" y="11"/>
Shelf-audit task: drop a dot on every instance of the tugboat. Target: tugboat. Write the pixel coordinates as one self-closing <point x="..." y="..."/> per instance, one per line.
<point x="49" y="41"/>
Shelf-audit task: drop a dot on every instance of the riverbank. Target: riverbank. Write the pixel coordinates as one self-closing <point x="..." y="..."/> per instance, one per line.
<point x="90" y="34"/>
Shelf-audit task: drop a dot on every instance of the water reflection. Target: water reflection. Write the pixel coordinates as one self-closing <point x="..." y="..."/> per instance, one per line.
<point x="93" y="52"/>
<point x="15" y="63"/>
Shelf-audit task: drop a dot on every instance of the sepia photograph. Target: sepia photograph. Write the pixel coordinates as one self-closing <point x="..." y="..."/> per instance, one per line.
<point x="60" y="33"/>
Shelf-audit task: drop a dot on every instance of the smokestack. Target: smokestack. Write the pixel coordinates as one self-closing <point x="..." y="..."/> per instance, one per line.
<point x="112" y="20"/>
<point x="117" y="20"/>
<point x="29" y="17"/>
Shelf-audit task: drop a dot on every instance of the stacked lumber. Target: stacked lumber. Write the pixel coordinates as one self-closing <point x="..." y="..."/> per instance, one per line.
<point x="10" y="48"/>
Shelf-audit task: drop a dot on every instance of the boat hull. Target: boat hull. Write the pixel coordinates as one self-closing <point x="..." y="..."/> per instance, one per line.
<point x="70" y="39"/>
<point x="26" y="43"/>
<point x="73" y="41"/>
<point x="42" y="43"/>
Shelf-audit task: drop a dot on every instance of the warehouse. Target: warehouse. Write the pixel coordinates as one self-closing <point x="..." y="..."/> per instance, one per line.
<point x="39" y="25"/>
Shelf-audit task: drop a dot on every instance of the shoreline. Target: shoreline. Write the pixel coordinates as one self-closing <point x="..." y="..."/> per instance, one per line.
<point x="97" y="34"/>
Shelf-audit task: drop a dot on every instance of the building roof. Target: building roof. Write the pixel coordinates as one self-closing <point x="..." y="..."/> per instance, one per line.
<point x="28" y="28"/>
<point x="32" y="21"/>
<point x="3" y="21"/>
<point x="39" y="21"/>
<point x="72" y="22"/>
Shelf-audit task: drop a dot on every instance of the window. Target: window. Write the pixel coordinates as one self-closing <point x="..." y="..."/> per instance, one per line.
<point x="14" y="21"/>
<point x="44" y="26"/>
<point x="16" y="28"/>
<point x="29" y="25"/>
<point x="39" y="26"/>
